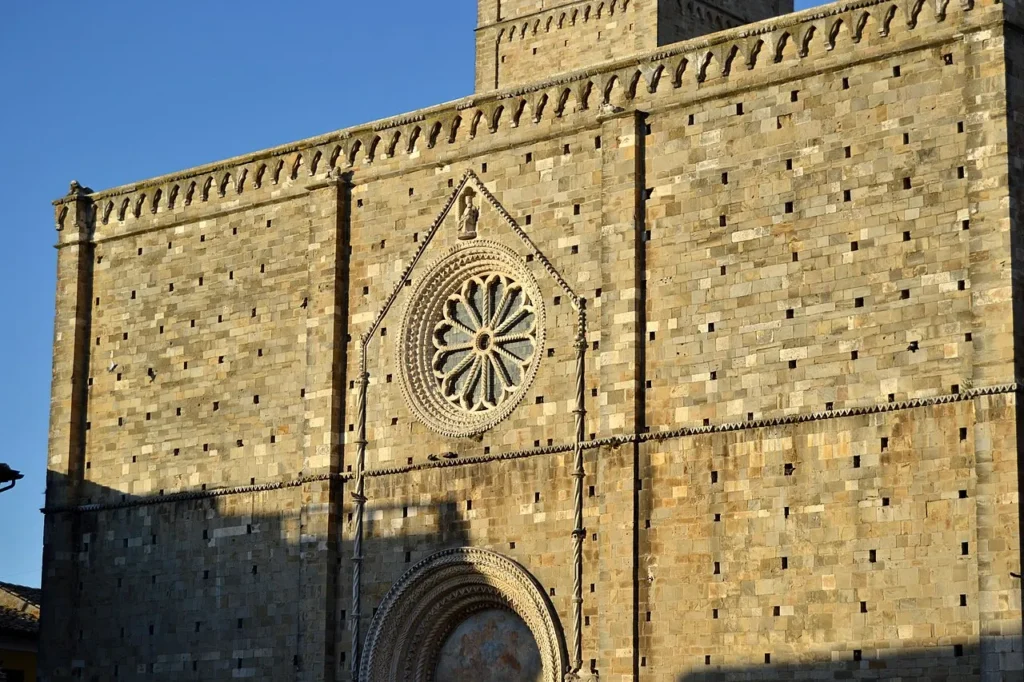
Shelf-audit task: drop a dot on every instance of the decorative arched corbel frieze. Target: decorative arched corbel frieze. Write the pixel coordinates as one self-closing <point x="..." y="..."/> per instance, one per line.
<point x="392" y="145"/>
<point x="225" y="182"/>
<point x="912" y="10"/>
<point x="781" y="40"/>
<point x="494" y="113"/>
<point x="887" y="19"/>
<point x="608" y="87"/>
<point x="802" y="37"/>
<point x="749" y="50"/>
<point x="703" y="62"/>
<point x="563" y="102"/>
<point x="652" y="76"/>
<point x="724" y="54"/>
<point x="832" y="34"/>
<point x="679" y="71"/>
<point x="630" y="81"/>
<point x="518" y="108"/>
<point x="435" y="132"/>
<point x="537" y="105"/>
<point x="582" y="91"/>
<point x="413" y="137"/>
<point x="453" y="128"/>
<point x="353" y="152"/>
<point x="474" y="125"/>
<point x="858" y="23"/>
<point x="371" y="149"/>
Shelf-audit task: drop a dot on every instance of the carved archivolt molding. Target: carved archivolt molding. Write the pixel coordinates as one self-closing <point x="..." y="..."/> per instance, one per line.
<point x="471" y="339"/>
<point x="435" y="596"/>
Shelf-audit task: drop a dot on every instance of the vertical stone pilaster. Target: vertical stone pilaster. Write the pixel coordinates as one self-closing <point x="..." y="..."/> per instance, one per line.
<point x="487" y="75"/>
<point x="326" y="304"/>
<point x="997" y="307"/>
<point x="488" y="14"/>
<point x="620" y="412"/>
<point x="74" y="216"/>
<point x="66" y="449"/>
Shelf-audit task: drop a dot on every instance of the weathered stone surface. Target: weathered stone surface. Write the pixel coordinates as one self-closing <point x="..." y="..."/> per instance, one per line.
<point x="519" y="40"/>
<point x="794" y="244"/>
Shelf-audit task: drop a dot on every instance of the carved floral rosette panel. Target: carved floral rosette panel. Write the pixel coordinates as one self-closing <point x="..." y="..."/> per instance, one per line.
<point x="434" y="597"/>
<point x="471" y="339"/>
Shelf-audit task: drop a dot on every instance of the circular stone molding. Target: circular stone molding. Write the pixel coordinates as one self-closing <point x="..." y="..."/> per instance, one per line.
<point x="434" y="597"/>
<point x="471" y="339"/>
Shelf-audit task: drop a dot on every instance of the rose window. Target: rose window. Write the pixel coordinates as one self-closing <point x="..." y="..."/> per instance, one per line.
<point x="471" y="338"/>
<point x="485" y="342"/>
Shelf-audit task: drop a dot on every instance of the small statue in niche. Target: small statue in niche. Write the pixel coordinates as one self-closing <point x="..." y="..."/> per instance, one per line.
<point x="469" y="214"/>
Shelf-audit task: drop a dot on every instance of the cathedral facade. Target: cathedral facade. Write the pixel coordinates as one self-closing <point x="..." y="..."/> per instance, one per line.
<point x="684" y="349"/>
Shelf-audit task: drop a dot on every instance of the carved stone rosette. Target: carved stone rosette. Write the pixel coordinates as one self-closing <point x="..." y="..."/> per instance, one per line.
<point x="471" y="341"/>
<point x="435" y="596"/>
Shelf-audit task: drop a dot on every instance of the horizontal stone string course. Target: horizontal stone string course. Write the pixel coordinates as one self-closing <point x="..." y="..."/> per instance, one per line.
<point x="196" y="495"/>
<point x="687" y="64"/>
<point x="612" y="441"/>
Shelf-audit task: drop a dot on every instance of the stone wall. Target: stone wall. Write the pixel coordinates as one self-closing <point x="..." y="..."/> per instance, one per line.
<point x="572" y="35"/>
<point x="684" y="19"/>
<point x="792" y="244"/>
<point x="191" y="590"/>
<point x="516" y="41"/>
<point x="884" y="553"/>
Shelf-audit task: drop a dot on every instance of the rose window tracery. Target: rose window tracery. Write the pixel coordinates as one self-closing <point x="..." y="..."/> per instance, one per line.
<point x="485" y="342"/>
<point x="471" y="336"/>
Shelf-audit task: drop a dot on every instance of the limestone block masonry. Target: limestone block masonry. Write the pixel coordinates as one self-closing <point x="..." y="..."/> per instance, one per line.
<point x="675" y="362"/>
<point x="517" y="40"/>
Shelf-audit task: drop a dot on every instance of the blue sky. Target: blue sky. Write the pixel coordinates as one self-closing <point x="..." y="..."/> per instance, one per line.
<point x="118" y="91"/>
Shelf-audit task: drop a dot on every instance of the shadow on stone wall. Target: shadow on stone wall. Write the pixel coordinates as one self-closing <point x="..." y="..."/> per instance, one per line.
<point x="994" y="658"/>
<point x="216" y="587"/>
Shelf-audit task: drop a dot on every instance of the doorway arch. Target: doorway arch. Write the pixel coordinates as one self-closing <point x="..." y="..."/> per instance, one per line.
<point x="441" y="593"/>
